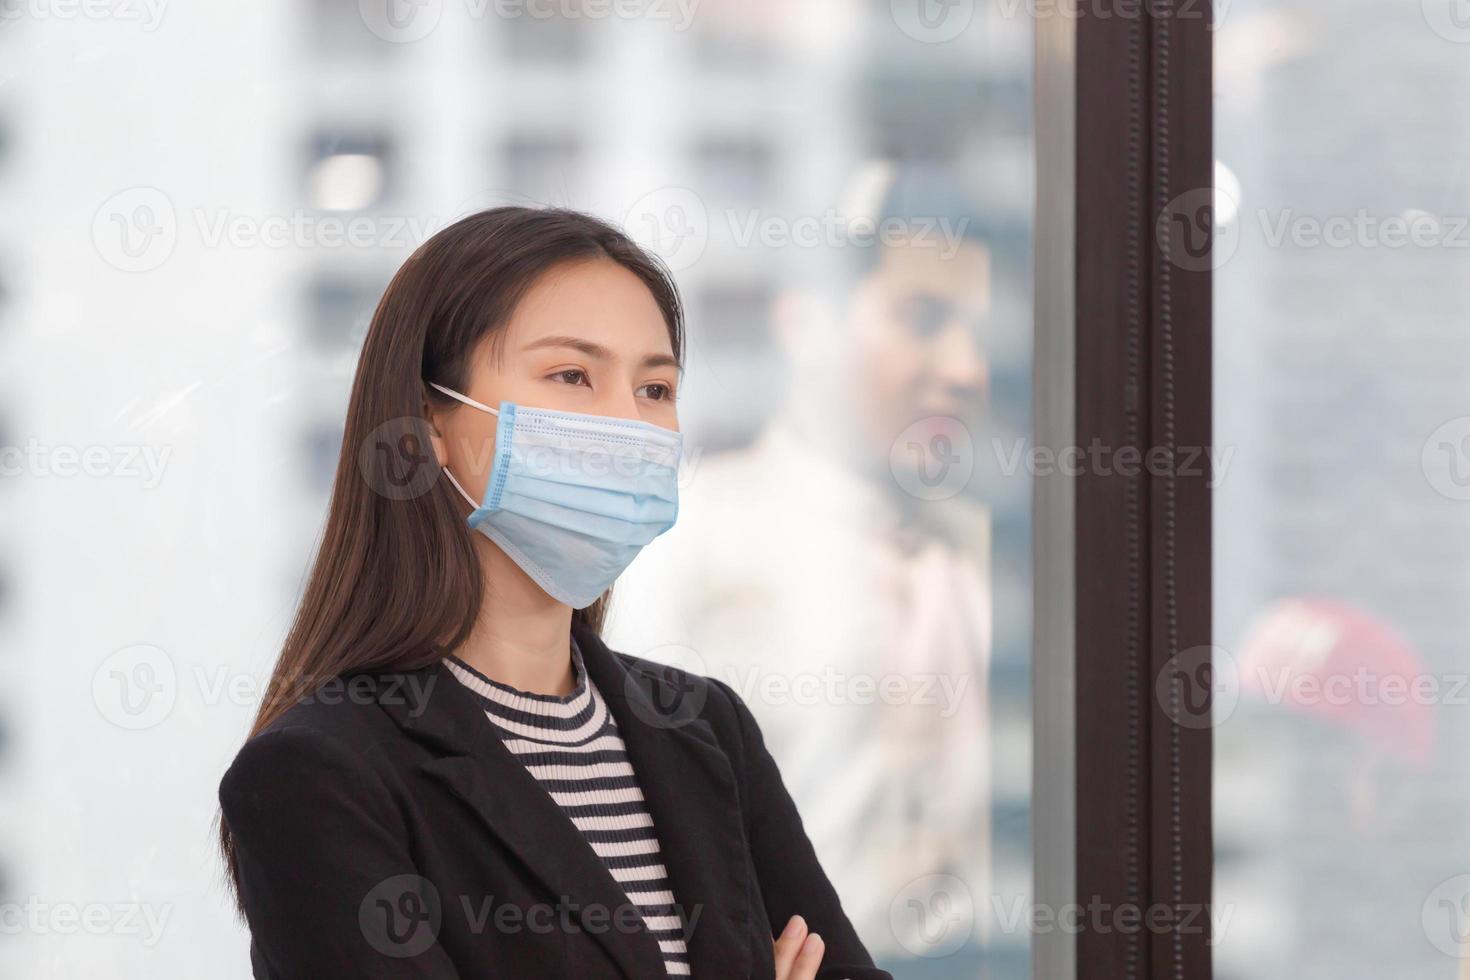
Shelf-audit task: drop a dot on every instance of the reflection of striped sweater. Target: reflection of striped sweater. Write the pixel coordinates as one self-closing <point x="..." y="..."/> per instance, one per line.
<point x="572" y="746"/>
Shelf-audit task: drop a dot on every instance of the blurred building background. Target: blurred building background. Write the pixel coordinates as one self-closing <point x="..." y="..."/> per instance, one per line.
<point x="1342" y="533"/>
<point x="204" y="204"/>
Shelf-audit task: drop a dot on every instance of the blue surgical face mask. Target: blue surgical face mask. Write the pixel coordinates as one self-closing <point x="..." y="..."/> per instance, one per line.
<point x="572" y="498"/>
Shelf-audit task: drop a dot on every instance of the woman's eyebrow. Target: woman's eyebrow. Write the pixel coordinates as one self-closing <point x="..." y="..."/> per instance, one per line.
<point x="587" y="347"/>
<point x="661" y="360"/>
<point x="598" y="351"/>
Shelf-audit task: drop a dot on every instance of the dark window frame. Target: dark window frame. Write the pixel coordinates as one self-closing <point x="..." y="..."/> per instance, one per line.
<point x="1122" y="784"/>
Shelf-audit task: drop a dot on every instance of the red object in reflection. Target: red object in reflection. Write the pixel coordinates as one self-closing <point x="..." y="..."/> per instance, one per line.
<point x="1337" y="663"/>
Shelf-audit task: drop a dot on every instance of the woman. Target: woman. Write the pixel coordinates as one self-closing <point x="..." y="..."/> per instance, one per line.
<point x="452" y="775"/>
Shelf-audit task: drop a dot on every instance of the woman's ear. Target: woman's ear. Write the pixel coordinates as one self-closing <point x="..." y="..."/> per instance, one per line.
<point x="434" y="420"/>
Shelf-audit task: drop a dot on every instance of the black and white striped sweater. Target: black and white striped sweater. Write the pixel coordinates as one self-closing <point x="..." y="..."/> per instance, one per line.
<point x="572" y="747"/>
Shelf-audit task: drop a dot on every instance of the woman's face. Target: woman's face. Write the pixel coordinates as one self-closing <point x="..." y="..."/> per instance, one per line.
<point x="587" y="337"/>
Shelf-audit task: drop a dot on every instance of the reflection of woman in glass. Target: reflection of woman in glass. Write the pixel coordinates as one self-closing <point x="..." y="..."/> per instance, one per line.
<point x="452" y="775"/>
<point x="885" y="354"/>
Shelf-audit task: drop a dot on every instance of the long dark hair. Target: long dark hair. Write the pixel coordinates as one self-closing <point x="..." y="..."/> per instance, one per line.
<point x="396" y="582"/>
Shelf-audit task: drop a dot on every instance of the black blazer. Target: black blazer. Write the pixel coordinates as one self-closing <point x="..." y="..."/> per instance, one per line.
<point x="383" y="830"/>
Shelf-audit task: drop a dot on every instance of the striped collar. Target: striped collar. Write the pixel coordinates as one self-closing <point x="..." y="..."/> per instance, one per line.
<point x="569" y="719"/>
<point x="498" y="694"/>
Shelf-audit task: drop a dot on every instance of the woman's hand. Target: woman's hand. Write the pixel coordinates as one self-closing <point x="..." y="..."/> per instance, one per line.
<point x="798" y="953"/>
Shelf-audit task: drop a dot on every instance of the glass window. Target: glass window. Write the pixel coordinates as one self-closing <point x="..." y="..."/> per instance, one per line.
<point x="1342" y="514"/>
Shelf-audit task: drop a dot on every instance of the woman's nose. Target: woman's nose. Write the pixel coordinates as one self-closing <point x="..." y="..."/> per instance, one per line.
<point x="619" y="404"/>
<point x="960" y="362"/>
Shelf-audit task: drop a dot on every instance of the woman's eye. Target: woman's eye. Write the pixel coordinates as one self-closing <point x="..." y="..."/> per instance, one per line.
<point x="924" y="315"/>
<point x="571" y="375"/>
<point x="665" y="392"/>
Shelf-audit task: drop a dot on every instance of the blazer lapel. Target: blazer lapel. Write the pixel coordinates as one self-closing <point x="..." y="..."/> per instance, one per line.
<point x="693" y="797"/>
<point x="482" y="772"/>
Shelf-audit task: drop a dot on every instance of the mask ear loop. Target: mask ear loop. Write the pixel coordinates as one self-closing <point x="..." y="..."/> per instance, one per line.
<point x="468" y="499"/>
<point x="464" y="398"/>
<point x="473" y="404"/>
